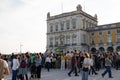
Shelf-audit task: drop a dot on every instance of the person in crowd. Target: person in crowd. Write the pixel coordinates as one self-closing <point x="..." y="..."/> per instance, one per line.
<point x="38" y="61"/>
<point x="48" y="62"/>
<point x="86" y="66"/>
<point x="12" y="56"/>
<point x="33" y="71"/>
<point x="81" y="61"/>
<point x="23" y="70"/>
<point x="4" y="69"/>
<point x="68" y="59"/>
<point x="108" y="63"/>
<point x="73" y="65"/>
<point x="92" y="65"/>
<point x="32" y="66"/>
<point x="53" y="60"/>
<point x="15" y="65"/>
<point x="32" y="59"/>
<point x="63" y="57"/>
<point x="97" y="61"/>
<point x="117" y="61"/>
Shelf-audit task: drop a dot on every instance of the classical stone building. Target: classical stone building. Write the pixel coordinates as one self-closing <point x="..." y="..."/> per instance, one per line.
<point x="105" y="37"/>
<point x="68" y="31"/>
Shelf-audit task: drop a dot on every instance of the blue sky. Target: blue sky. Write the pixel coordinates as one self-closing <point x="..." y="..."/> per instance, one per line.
<point x="23" y="22"/>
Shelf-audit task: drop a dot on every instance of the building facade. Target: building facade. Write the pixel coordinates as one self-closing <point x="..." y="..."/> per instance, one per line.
<point x="67" y="31"/>
<point x="105" y="37"/>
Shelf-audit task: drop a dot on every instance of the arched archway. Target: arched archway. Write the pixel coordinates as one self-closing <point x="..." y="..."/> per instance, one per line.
<point x="102" y="49"/>
<point x="110" y="49"/>
<point x="118" y="48"/>
<point x="93" y="50"/>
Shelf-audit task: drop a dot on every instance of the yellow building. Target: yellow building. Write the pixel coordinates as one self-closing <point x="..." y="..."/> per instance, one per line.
<point x="105" y="37"/>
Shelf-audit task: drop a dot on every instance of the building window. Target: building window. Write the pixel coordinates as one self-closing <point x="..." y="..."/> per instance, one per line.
<point x="118" y="30"/>
<point x="68" y="24"/>
<point x="62" y="26"/>
<point x="118" y="35"/>
<point x="74" y="39"/>
<point x="118" y="38"/>
<point x="51" y="42"/>
<point x="83" y="23"/>
<point x="109" y="39"/>
<point x="61" y="39"/>
<point x="67" y="40"/>
<point x="92" y="34"/>
<point x="56" y="42"/>
<point x="84" y="38"/>
<point x="73" y="23"/>
<point x="109" y="32"/>
<point x="56" y="27"/>
<point x="90" y="25"/>
<point x="100" y="39"/>
<point x="51" y="28"/>
<point x="100" y="33"/>
<point x="93" y="42"/>
<point x="86" y="24"/>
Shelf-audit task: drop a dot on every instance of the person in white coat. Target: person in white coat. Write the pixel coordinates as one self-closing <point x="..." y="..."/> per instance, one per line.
<point x="15" y="66"/>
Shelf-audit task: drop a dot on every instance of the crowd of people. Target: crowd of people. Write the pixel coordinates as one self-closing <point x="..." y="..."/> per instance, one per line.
<point x="87" y="63"/>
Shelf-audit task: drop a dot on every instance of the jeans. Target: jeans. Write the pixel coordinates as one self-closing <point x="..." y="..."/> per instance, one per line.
<point x="85" y="75"/>
<point x="73" y="68"/>
<point x="14" y="74"/>
<point x="48" y="65"/>
<point x="108" y="69"/>
<point x="39" y="71"/>
<point x="92" y="69"/>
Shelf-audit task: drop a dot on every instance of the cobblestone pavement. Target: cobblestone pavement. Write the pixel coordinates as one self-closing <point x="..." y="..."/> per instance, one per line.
<point x="57" y="74"/>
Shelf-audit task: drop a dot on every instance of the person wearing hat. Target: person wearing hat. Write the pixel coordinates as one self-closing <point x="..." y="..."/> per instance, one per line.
<point x="4" y="70"/>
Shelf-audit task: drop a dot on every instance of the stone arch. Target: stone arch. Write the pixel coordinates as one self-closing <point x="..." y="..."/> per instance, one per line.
<point x="118" y="48"/>
<point x="110" y="49"/>
<point x="101" y="49"/>
<point x="93" y="50"/>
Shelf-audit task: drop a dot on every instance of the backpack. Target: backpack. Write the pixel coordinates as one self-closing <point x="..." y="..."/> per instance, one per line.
<point x="23" y="64"/>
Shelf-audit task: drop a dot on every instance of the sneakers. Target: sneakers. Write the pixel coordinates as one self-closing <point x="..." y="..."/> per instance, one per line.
<point x="111" y="77"/>
<point x="76" y="75"/>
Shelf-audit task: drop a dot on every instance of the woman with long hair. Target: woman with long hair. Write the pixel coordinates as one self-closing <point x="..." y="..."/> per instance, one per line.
<point x="23" y="70"/>
<point x="86" y="66"/>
